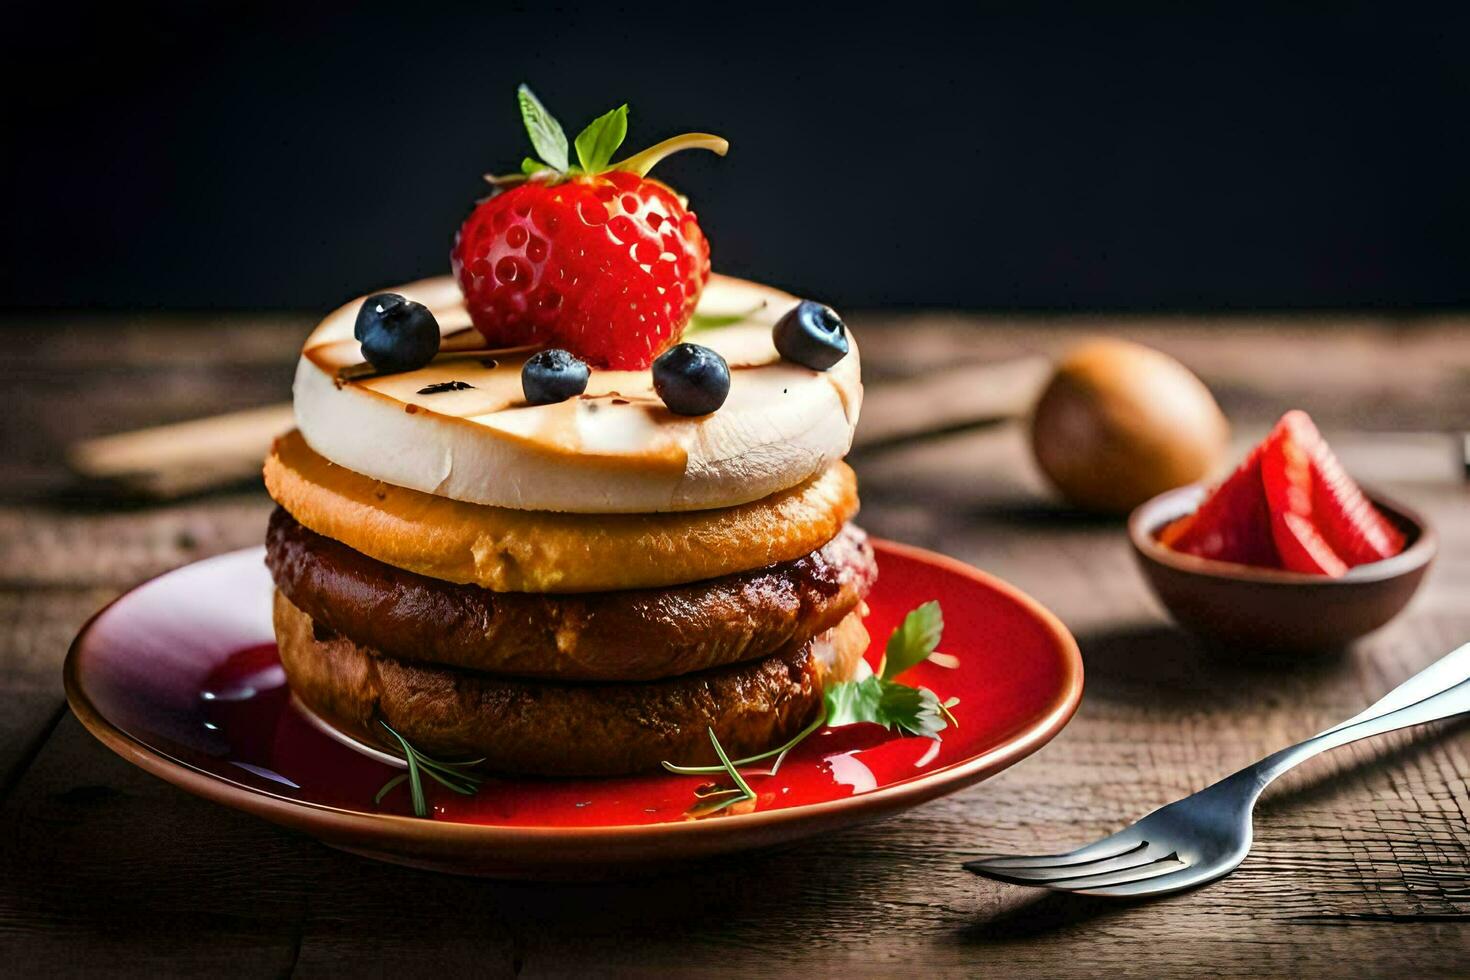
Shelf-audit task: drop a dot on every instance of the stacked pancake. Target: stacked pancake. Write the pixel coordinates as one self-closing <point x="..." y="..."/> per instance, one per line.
<point x="583" y="588"/>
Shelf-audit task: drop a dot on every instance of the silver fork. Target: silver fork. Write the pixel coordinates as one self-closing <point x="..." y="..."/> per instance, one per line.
<point x="1206" y="836"/>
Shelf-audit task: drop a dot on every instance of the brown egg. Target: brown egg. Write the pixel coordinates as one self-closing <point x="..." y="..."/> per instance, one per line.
<point x="1120" y="423"/>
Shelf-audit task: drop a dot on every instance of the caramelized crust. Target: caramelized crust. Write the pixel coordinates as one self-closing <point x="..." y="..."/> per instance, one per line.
<point x="537" y="551"/>
<point x="552" y="729"/>
<point x="633" y="635"/>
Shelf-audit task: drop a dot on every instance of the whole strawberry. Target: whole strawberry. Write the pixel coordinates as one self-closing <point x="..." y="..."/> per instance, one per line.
<point x="595" y="258"/>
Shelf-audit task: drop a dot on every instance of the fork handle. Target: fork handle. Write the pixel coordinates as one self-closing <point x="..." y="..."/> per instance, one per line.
<point x="1451" y="701"/>
<point x="1444" y="673"/>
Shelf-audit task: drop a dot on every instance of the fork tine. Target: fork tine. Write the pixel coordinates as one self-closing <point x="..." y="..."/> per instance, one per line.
<point x="1115" y="845"/>
<point x="1135" y="857"/>
<point x="1094" y="884"/>
<point x="1177" y="881"/>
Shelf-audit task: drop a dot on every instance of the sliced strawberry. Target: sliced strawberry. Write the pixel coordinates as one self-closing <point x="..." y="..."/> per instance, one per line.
<point x="1346" y="519"/>
<point x="1234" y="523"/>
<point x="1286" y="473"/>
<point x="1302" y="549"/>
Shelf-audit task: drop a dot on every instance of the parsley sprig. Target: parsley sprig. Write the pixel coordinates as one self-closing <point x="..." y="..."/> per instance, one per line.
<point x="450" y="775"/>
<point x="879" y="699"/>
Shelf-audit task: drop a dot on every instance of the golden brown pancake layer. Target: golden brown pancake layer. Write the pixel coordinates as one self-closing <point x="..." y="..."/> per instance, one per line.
<point x="639" y="634"/>
<point x="529" y="551"/>
<point x="548" y="728"/>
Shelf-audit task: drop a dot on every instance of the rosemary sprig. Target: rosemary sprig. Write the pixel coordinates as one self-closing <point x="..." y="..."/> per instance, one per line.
<point x="713" y="801"/>
<point x="389" y="786"/>
<point x="451" y="775"/>
<point x="779" y="753"/>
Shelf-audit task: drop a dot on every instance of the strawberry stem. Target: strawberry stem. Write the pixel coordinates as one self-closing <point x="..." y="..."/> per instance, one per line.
<point x="642" y="163"/>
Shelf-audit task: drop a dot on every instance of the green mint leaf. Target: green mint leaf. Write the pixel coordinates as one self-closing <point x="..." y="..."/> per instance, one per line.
<point x="913" y="641"/>
<point x="600" y="140"/>
<point x="545" y="132"/>
<point x="897" y="707"/>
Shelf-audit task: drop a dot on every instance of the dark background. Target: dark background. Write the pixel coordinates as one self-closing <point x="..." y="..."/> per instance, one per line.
<point x="1023" y="156"/>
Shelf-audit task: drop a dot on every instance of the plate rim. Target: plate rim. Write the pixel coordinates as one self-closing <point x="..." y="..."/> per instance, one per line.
<point x="339" y="821"/>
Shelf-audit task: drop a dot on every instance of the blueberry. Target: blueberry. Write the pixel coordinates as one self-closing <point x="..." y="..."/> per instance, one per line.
<point x="692" y="380"/>
<point x="397" y="334"/>
<point x="812" y="335"/>
<point x="551" y="376"/>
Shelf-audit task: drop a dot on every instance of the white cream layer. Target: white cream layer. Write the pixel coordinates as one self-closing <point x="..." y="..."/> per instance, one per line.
<point x="616" y="449"/>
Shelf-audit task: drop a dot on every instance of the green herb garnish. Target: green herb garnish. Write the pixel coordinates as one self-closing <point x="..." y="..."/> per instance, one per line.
<point x="878" y="699"/>
<point x="915" y="640"/>
<point x="451" y="775"/>
<point x="912" y="710"/>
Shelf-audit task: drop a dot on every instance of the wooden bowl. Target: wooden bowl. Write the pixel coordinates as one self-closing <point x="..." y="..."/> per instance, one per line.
<point x="1262" y="610"/>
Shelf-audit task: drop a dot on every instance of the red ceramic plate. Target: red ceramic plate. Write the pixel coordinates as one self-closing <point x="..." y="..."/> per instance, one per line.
<point x="180" y="677"/>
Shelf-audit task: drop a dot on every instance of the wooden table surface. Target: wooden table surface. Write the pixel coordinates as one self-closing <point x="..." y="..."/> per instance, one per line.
<point x="1362" y="860"/>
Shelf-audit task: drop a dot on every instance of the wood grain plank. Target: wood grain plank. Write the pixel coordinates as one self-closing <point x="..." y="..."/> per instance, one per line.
<point x="36" y="628"/>
<point x="45" y="547"/>
<point x="107" y="869"/>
